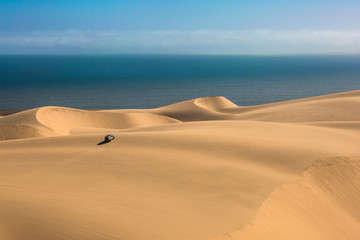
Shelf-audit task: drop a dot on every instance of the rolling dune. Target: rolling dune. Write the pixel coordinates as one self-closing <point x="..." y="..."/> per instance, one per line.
<point x="51" y="121"/>
<point x="334" y="107"/>
<point x="199" y="169"/>
<point x="62" y="120"/>
<point x="324" y="205"/>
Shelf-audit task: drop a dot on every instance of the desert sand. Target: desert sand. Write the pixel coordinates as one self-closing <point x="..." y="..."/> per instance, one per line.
<point x="200" y="169"/>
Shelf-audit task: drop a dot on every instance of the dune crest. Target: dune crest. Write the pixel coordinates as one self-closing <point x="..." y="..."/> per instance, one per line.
<point x="52" y="121"/>
<point x="62" y="120"/>
<point x="324" y="205"/>
<point x="55" y="121"/>
<point x="199" y="109"/>
<point x="332" y="107"/>
<point x="217" y="104"/>
<point x="23" y="125"/>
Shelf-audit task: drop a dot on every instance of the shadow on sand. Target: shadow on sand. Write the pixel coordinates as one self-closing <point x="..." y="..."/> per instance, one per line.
<point x="103" y="142"/>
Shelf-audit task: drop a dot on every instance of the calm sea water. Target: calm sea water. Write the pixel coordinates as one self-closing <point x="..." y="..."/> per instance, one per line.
<point x="148" y="81"/>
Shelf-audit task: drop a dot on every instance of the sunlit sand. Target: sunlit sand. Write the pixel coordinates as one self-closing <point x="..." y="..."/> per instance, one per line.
<point x="200" y="169"/>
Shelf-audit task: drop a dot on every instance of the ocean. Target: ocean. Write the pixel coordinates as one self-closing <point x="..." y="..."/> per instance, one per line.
<point x="149" y="81"/>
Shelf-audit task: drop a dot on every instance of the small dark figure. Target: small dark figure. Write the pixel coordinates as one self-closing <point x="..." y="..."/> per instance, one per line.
<point x="109" y="138"/>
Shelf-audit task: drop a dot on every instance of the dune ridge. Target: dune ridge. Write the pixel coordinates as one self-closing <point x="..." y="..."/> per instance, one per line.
<point x="333" y="107"/>
<point x="324" y="205"/>
<point x="52" y="121"/>
<point x="56" y="121"/>
<point x="199" y="169"/>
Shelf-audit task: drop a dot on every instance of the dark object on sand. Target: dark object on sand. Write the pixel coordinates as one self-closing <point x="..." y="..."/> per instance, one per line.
<point x="109" y="138"/>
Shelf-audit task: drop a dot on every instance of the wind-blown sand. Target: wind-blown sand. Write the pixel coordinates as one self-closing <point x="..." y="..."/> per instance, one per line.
<point x="200" y="169"/>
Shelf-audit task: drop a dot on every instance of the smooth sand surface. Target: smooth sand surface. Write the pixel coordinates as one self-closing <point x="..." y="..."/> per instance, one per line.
<point x="200" y="169"/>
<point x="323" y="205"/>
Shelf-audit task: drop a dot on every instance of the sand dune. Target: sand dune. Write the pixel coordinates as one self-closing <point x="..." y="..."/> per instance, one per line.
<point x="324" y="205"/>
<point x="200" y="169"/>
<point x="209" y="108"/>
<point x="50" y="121"/>
<point x="62" y="120"/>
<point x="351" y="125"/>
<point x="23" y="125"/>
<point x="16" y="131"/>
<point x="334" y="107"/>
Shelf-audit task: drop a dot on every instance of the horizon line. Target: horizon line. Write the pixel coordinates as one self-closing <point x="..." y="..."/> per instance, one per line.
<point x="178" y="54"/>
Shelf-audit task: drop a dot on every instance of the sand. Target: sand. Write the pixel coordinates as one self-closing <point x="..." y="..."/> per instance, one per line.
<point x="323" y="205"/>
<point x="199" y="169"/>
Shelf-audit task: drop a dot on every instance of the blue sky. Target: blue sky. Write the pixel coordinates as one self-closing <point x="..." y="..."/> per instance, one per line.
<point x="180" y="27"/>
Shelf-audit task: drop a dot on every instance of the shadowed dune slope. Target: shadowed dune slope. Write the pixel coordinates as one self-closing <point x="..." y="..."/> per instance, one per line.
<point x="16" y="131"/>
<point x="23" y="125"/>
<point x="200" y="109"/>
<point x="324" y="205"/>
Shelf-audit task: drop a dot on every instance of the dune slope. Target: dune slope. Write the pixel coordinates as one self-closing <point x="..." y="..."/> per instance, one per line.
<point x="193" y="170"/>
<point x="333" y="107"/>
<point x="324" y="205"/>
<point x="54" y="121"/>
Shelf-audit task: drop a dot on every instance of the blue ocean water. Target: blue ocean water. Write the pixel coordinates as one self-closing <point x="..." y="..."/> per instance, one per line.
<point x="148" y="81"/>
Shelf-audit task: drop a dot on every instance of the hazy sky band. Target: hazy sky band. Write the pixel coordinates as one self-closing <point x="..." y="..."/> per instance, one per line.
<point x="228" y="27"/>
<point x="212" y="42"/>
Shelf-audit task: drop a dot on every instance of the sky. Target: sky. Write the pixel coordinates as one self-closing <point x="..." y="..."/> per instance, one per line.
<point x="259" y="27"/>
